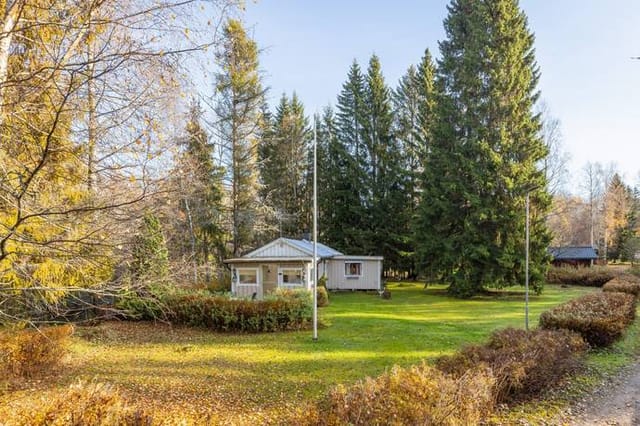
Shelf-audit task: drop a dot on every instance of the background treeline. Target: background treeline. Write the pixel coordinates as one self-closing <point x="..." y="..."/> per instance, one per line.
<point x="431" y="174"/>
<point x="116" y="171"/>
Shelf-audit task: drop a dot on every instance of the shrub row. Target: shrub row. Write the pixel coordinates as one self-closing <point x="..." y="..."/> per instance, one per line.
<point x="624" y="284"/>
<point x="26" y="353"/>
<point x="80" y="404"/>
<point x="287" y="310"/>
<point x="415" y="395"/>
<point x="600" y="318"/>
<point x="595" y="276"/>
<point x="463" y="388"/>
<point x="524" y="363"/>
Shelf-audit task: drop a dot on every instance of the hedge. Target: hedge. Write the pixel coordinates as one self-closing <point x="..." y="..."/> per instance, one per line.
<point x="415" y="395"/>
<point x="290" y="310"/>
<point x="80" y="404"/>
<point x="595" y="276"/>
<point x="600" y="318"/>
<point x="27" y="353"/>
<point x="624" y="284"/>
<point x="524" y="363"/>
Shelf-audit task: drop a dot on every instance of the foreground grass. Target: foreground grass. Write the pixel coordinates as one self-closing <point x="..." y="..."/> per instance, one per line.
<point x="258" y="378"/>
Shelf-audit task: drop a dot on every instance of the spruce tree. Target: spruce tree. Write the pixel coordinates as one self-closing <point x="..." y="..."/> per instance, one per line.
<point x="385" y="195"/>
<point x="150" y="256"/>
<point x="485" y="153"/>
<point x="284" y="157"/>
<point x="239" y="102"/>
<point x="350" y="209"/>
<point x="200" y="183"/>
<point x="414" y="105"/>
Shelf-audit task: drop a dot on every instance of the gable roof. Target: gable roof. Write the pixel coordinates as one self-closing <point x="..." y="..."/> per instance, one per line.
<point x="307" y="247"/>
<point x="287" y="247"/>
<point x="573" y="252"/>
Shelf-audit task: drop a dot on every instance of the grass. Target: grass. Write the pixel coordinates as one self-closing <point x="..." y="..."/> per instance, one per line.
<point x="256" y="378"/>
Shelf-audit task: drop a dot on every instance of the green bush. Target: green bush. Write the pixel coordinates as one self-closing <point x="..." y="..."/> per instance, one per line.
<point x="600" y="318"/>
<point x="322" y="281"/>
<point x="81" y="404"/>
<point x="323" y="297"/>
<point x="524" y="363"/>
<point x="418" y="395"/>
<point x="145" y="302"/>
<point x="595" y="276"/>
<point x="284" y="310"/>
<point x="624" y="284"/>
<point x="26" y="353"/>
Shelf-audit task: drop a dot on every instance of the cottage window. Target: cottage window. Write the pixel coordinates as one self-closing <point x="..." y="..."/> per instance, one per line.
<point x="247" y="276"/>
<point x="291" y="277"/>
<point x="352" y="269"/>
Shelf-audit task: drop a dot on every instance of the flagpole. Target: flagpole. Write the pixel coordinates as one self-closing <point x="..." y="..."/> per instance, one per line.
<point x="315" y="232"/>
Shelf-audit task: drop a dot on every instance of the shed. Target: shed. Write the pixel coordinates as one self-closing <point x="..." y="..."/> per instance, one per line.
<point x="287" y="263"/>
<point x="573" y="255"/>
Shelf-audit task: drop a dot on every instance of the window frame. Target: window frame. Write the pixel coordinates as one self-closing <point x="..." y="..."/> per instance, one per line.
<point x="239" y="272"/>
<point x="349" y="275"/>
<point x="281" y="282"/>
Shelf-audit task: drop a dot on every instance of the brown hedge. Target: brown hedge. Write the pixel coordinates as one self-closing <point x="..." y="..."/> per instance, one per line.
<point x="624" y="284"/>
<point x="595" y="276"/>
<point x="600" y="318"/>
<point x="81" y="404"/>
<point x="524" y="363"/>
<point x="415" y="395"/>
<point x="26" y="353"/>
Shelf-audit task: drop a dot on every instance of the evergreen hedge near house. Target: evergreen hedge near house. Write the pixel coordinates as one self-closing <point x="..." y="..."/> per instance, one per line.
<point x="595" y="276"/>
<point x="284" y="310"/>
<point x="524" y="363"/>
<point x="600" y="318"/>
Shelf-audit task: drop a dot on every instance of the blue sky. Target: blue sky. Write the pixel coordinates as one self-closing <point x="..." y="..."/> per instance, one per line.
<point x="583" y="49"/>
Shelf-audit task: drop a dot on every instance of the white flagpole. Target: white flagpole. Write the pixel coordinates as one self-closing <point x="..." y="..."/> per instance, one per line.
<point x="315" y="232"/>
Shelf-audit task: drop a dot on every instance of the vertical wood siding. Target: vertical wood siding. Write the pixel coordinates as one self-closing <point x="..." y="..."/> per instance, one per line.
<point x="369" y="280"/>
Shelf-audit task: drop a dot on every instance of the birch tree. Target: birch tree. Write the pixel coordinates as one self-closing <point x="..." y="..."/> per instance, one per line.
<point x="87" y="91"/>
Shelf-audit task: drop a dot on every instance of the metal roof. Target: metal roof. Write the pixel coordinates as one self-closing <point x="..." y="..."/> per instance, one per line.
<point x="573" y="252"/>
<point x="307" y="247"/>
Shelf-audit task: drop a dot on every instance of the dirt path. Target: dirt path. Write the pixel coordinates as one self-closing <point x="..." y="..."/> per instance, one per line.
<point x="616" y="402"/>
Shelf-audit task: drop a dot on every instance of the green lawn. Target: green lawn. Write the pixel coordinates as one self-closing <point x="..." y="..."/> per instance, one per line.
<point x="249" y="378"/>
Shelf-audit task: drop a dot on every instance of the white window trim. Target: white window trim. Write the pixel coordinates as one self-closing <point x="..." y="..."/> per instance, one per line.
<point x="345" y="269"/>
<point x="289" y="285"/>
<point x="239" y="272"/>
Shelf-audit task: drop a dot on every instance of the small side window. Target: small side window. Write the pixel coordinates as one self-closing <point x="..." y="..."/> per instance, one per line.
<point x="352" y="269"/>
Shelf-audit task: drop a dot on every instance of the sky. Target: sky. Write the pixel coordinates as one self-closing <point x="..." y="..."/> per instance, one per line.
<point x="583" y="49"/>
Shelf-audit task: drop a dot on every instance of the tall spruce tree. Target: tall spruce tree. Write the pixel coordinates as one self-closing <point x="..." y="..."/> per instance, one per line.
<point x="414" y="105"/>
<point x="200" y="183"/>
<point x="333" y="190"/>
<point x="485" y="153"/>
<point x="350" y="218"/>
<point x="385" y="177"/>
<point x="284" y="157"/>
<point x="239" y="101"/>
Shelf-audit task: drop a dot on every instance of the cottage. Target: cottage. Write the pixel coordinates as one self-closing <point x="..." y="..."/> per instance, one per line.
<point x="573" y="255"/>
<point x="287" y="263"/>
